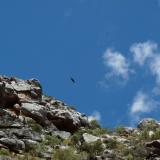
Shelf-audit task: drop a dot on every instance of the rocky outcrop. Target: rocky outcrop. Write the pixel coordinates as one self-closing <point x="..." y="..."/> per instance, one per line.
<point x="148" y="123"/>
<point x="23" y="99"/>
<point x="36" y="126"/>
<point x="88" y="138"/>
<point x="13" y="144"/>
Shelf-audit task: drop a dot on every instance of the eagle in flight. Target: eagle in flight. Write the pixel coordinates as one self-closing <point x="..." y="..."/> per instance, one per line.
<point x="73" y="80"/>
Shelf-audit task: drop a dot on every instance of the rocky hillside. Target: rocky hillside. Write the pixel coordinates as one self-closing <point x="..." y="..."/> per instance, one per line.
<point x="34" y="126"/>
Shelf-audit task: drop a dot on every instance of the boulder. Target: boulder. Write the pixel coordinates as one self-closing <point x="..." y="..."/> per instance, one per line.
<point x="3" y="157"/>
<point x="148" y="123"/>
<point x="29" y="144"/>
<point x="7" y="120"/>
<point x="2" y="134"/>
<point x="88" y="138"/>
<point x="13" y="144"/>
<point x="155" y="144"/>
<point x="67" y="120"/>
<point x="38" y="113"/>
<point x="45" y="155"/>
<point x="8" y="96"/>
<point x="62" y="134"/>
<point x="14" y="90"/>
<point x="24" y="98"/>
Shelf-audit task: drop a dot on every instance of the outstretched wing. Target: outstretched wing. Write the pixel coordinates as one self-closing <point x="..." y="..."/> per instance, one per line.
<point x="73" y="80"/>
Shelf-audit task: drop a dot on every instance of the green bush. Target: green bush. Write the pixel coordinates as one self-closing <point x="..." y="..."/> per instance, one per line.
<point x="94" y="124"/>
<point x="4" y="151"/>
<point x="52" y="140"/>
<point x="156" y="134"/>
<point x="34" y="125"/>
<point x="93" y="148"/>
<point x="144" y="135"/>
<point x="120" y="130"/>
<point x="97" y="131"/>
<point x="75" y="139"/>
<point x="111" y="144"/>
<point x="66" y="154"/>
<point x="36" y="149"/>
<point x="129" y="157"/>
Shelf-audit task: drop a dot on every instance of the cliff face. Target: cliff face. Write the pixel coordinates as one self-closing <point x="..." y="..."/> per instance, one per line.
<point x="21" y="103"/>
<point x="36" y="126"/>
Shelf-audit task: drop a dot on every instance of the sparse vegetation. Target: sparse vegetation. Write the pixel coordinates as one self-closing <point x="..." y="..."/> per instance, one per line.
<point x="94" y="124"/>
<point x="34" y="125"/>
<point x="66" y="154"/>
<point x="4" y="151"/>
<point x="111" y="144"/>
<point x="52" y="140"/>
<point x="93" y="149"/>
<point x="120" y="130"/>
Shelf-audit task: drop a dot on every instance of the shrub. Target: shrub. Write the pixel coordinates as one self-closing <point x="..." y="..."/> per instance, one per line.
<point x="151" y="125"/>
<point x="52" y="140"/>
<point x="97" y="131"/>
<point x="76" y="138"/>
<point x="156" y="134"/>
<point x="66" y="154"/>
<point x="4" y="151"/>
<point x="93" y="149"/>
<point x="94" y="124"/>
<point x="111" y="144"/>
<point x="34" y="125"/>
<point x="129" y="157"/>
<point x="144" y="135"/>
<point x="36" y="149"/>
<point x="120" y="130"/>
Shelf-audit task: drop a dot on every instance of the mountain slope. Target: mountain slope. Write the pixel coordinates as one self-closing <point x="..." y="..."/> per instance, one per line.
<point x="34" y="126"/>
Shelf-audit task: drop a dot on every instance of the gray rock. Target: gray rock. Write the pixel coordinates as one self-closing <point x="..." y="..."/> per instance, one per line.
<point x="148" y="123"/>
<point x="29" y="144"/>
<point x="38" y="113"/>
<point x="8" y="97"/>
<point x="46" y="155"/>
<point x="14" y="90"/>
<point x="13" y="144"/>
<point x="24" y="133"/>
<point x="128" y="130"/>
<point x="88" y="138"/>
<point x="155" y="143"/>
<point x="7" y="120"/>
<point x="5" y="157"/>
<point x="2" y="134"/>
<point x="67" y="120"/>
<point x="62" y="134"/>
<point x="108" y="154"/>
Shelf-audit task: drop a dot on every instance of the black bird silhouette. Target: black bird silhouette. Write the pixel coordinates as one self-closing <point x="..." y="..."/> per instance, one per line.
<point x="72" y="79"/>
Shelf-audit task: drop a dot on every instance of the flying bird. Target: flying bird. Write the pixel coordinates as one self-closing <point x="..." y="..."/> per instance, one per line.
<point x="73" y="80"/>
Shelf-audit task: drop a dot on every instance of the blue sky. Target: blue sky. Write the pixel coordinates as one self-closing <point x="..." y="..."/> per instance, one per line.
<point x="110" y="47"/>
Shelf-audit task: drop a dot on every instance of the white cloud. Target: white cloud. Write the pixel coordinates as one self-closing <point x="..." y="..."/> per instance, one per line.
<point x="141" y="104"/>
<point x="117" y="64"/>
<point x="148" y="51"/>
<point x="143" y="51"/>
<point x="158" y="1"/>
<point x="145" y="54"/>
<point x="95" y="116"/>
<point x="155" y="68"/>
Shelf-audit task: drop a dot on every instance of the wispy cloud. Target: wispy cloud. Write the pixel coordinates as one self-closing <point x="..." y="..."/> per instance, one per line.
<point x="143" y="51"/>
<point x="116" y="63"/>
<point x="142" y="103"/>
<point x="155" y="68"/>
<point x="95" y="116"/>
<point x="158" y="1"/>
<point x="147" y="56"/>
